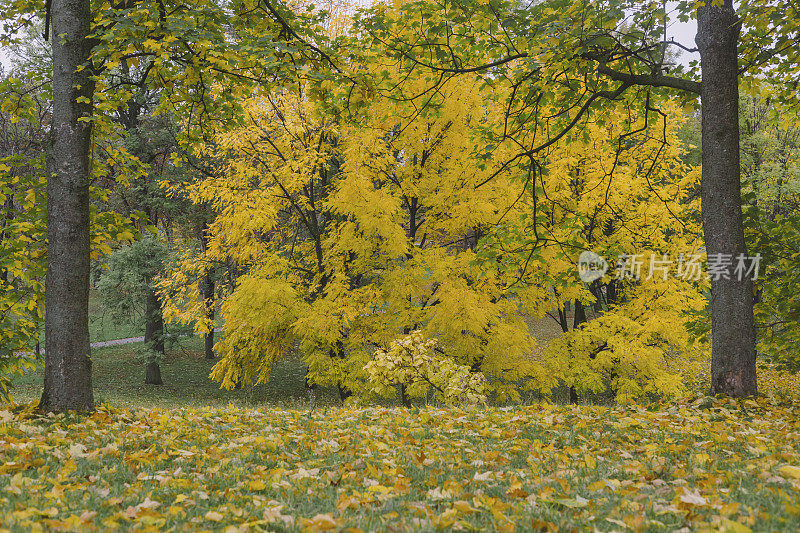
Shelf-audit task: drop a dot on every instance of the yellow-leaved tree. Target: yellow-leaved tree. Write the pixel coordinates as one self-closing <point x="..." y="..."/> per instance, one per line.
<point x="620" y="191"/>
<point x="350" y="233"/>
<point x="398" y="243"/>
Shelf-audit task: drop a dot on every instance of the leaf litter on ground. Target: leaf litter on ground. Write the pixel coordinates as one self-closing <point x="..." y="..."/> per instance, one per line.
<point x="717" y="465"/>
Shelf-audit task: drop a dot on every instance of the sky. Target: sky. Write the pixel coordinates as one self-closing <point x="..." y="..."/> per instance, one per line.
<point x="682" y="32"/>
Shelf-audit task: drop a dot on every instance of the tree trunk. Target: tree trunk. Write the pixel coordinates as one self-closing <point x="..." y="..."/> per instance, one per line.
<point x="68" y="369"/>
<point x="154" y="323"/>
<point x="152" y="374"/>
<point x="207" y="290"/>
<point x="580" y="315"/>
<point x="733" y="359"/>
<point x="577" y="321"/>
<point x="208" y="296"/>
<point x="153" y="337"/>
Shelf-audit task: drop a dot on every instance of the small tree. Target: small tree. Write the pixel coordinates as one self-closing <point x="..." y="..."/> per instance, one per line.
<point x="128" y="282"/>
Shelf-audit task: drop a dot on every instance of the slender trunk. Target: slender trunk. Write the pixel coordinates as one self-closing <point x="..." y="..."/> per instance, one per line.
<point x="402" y="392"/>
<point x="580" y="315"/>
<point x="344" y="391"/>
<point x="68" y="369"/>
<point x="578" y="319"/>
<point x="153" y="337"/>
<point x="733" y="357"/>
<point x="154" y="323"/>
<point x="611" y="293"/>
<point x="208" y="297"/>
<point x="207" y="292"/>
<point x="562" y="319"/>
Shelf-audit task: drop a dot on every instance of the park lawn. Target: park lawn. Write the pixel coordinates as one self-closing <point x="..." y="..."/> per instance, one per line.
<point x="103" y="328"/>
<point x="118" y="379"/>
<point x="187" y="455"/>
<point x="101" y="325"/>
<point x="716" y="465"/>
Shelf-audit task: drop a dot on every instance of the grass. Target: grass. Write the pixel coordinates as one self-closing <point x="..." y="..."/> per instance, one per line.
<point x="103" y="328"/>
<point x="189" y="456"/>
<point x="717" y="466"/>
<point x="118" y="379"/>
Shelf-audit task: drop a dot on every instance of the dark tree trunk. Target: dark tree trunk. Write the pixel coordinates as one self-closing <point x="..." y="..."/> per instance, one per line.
<point x="68" y="369"/>
<point x="580" y="315"/>
<point x="153" y="337"/>
<point x="402" y="393"/>
<point x="208" y="296"/>
<point x="154" y="323"/>
<point x="733" y="357"/>
<point x="578" y="319"/>
<point x="152" y="374"/>
<point x="611" y="293"/>
<point x="344" y="392"/>
<point x="207" y="291"/>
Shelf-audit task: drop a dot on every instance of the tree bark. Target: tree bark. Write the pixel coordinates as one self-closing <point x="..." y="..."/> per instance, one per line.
<point x="68" y="369"/>
<point x="578" y="320"/>
<point x="207" y="290"/>
<point x="152" y="374"/>
<point x="208" y="296"/>
<point x="733" y="358"/>
<point x="153" y="337"/>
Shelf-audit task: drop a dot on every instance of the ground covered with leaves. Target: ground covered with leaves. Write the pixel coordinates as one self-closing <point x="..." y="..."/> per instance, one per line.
<point x="721" y="465"/>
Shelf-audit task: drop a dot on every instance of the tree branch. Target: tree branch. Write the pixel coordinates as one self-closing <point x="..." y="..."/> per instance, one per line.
<point x="652" y="80"/>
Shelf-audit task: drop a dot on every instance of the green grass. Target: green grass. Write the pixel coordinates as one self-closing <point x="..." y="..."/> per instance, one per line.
<point x="699" y="466"/>
<point x="188" y="456"/>
<point x="118" y="379"/>
<point x="103" y="328"/>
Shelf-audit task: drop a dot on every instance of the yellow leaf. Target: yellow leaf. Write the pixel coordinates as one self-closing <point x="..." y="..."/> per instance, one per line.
<point x="256" y="484"/>
<point x="464" y="507"/>
<point x="790" y="471"/>
<point x="729" y="526"/>
<point x="320" y="522"/>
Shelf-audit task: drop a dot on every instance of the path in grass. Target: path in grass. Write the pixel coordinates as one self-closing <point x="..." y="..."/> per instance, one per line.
<point x="724" y="466"/>
<point x="128" y="340"/>
<point x="118" y="378"/>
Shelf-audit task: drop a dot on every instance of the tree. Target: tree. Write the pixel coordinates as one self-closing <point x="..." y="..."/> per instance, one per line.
<point x="770" y="143"/>
<point x="349" y="234"/>
<point x="733" y="333"/>
<point x="184" y="70"/>
<point x="588" y="54"/>
<point x="25" y="122"/>
<point x="24" y="116"/>
<point x="127" y="287"/>
<point x="68" y="369"/>
<point x="356" y="217"/>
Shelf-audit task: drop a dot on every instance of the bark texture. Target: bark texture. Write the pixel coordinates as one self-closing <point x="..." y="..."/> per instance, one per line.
<point x="152" y="374"/>
<point x="68" y="369"/>
<point x="153" y="337"/>
<point x="207" y="291"/>
<point x="733" y="356"/>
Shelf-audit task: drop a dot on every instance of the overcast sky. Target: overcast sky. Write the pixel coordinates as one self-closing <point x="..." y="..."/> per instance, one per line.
<point x="682" y="32"/>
